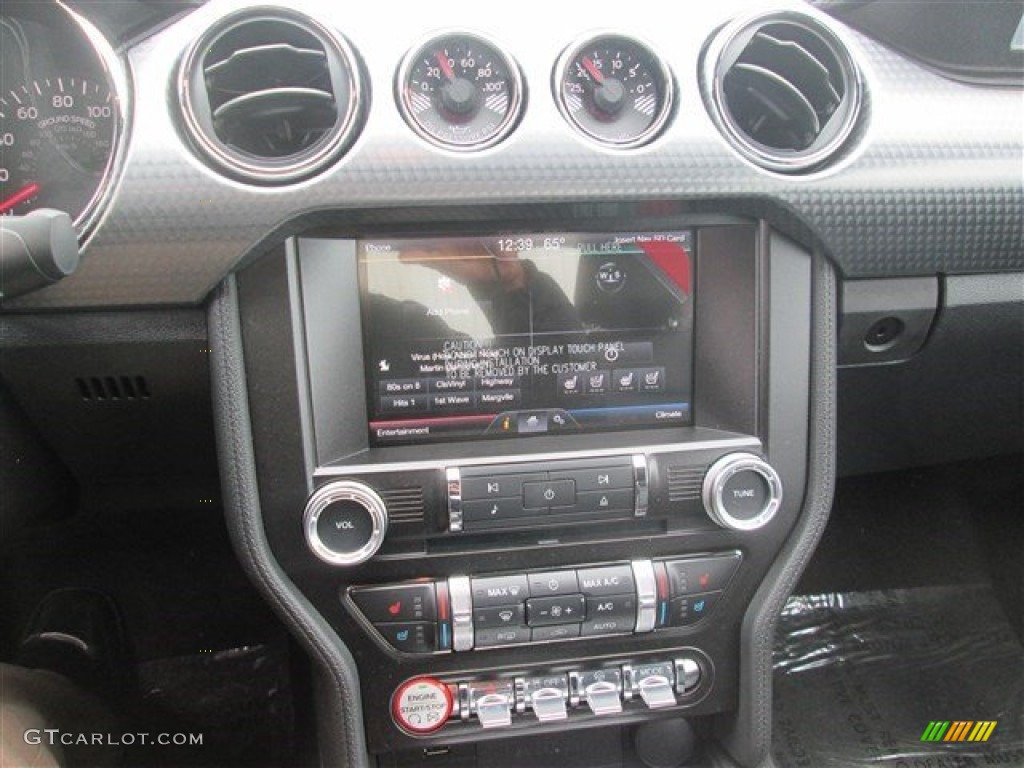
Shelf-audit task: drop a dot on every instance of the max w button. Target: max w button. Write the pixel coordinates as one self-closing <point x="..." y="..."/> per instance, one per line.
<point x="499" y="590"/>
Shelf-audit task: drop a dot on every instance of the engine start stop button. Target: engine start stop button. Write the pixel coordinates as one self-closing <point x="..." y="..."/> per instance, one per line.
<point x="422" y="705"/>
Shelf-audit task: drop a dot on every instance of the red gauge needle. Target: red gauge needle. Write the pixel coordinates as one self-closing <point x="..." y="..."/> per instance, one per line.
<point x="442" y="60"/>
<point x="593" y="70"/>
<point x="28" y="191"/>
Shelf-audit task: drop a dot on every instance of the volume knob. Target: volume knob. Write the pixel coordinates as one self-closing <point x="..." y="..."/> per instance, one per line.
<point x="742" y="492"/>
<point x="345" y="523"/>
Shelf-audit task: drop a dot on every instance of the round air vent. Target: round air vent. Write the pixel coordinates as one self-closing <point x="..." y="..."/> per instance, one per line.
<point x="783" y="89"/>
<point x="270" y="95"/>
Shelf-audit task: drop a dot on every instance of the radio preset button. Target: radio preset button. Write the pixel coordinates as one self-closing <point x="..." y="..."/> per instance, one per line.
<point x="564" y="609"/>
<point x="496" y="486"/>
<point x="499" y="590"/>
<point x="607" y="580"/>
<point x="547" y="583"/>
<point x="491" y="510"/>
<point x="615" y="500"/>
<point x="551" y="493"/>
<point x="598" y="478"/>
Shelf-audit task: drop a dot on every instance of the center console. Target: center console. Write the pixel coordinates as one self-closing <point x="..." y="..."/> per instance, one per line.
<point x="532" y="478"/>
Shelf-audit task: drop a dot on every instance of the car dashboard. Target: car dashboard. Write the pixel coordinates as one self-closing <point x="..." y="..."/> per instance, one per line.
<point x="532" y="344"/>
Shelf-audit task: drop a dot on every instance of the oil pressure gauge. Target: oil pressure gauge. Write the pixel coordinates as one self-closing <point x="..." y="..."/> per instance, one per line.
<point x="460" y="91"/>
<point x="614" y="89"/>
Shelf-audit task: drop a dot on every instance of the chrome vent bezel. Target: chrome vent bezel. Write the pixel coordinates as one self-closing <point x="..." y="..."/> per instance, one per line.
<point x="727" y="46"/>
<point x="344" y="73"/>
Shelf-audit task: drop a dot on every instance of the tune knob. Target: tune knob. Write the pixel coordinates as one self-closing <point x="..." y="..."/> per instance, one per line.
<point x="742" y="492"/>
<point x="345" y="523"/>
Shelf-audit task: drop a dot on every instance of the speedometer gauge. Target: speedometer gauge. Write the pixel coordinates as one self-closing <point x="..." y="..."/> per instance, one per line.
<point x="614" y="89"/>
<point x="60" y="119"/>
<point x="460" y="91"/>
<point x="57" y="136"/>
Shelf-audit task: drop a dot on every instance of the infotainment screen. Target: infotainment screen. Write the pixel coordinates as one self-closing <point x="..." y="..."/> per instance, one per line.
<point x="526" y="334"/>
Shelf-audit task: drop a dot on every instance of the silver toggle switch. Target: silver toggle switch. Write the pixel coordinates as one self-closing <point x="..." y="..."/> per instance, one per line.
<point x="603" y="698"/>
<point x="494" y="710"/>
<point x="492" y="703"/>
<point x="687" y="676"/>
<point x="547" y="696"/>
<point x="548" y="705"/>
<point x="600" y="688"/>
<point x="656" y="691"/>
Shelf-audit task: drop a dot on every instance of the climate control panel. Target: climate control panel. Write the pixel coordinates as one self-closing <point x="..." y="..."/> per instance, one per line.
<point x="424" y="705"/>
<point x="469" y="613"/>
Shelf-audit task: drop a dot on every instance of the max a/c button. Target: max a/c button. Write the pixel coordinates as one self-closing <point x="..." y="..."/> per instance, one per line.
<point x="611" y="580"/>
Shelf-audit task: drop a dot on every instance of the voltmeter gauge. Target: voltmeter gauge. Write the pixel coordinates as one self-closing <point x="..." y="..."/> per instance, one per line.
<point x="460" y="91"/>
<point x="614" y="89"/>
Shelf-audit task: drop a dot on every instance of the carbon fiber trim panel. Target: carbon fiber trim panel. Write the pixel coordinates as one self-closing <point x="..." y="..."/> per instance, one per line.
<point x="931" y="183"/>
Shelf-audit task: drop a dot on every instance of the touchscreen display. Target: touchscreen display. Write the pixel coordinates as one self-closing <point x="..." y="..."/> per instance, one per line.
<point x="532" y="334"/>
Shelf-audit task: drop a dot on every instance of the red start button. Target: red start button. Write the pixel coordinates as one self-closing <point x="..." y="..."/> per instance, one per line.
<point x="422" y="705"/>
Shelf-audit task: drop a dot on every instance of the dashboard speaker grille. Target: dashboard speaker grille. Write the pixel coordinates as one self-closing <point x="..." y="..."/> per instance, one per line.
<point x="404" y="505"/>
<point x="784" y="89"/>
<point x="269" y="94"/>
<point x="684" y="483"/>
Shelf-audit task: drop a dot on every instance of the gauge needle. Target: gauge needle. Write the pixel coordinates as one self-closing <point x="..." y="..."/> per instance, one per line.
<point x="593" y="70"/>
<point x="28" y="191"/>
<point x="442" y="60"/>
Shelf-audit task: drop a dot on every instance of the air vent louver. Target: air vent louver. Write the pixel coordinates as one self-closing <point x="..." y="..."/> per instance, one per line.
<point x="784" y="89"/>
<point x="270" y="95"/>
<point x="112" y="388"/>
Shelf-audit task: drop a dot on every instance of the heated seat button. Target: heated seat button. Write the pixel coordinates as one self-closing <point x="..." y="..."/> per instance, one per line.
<point x="702" y="574"/>
<point x="405" y="602"/>
<point x="565" y="609"/>
<point x="609" y="580"/>
<point x="552" y="493"/>
<point x="688" y="610"/>
<point x="409" y="636"/>
<point x="609" y="615"/>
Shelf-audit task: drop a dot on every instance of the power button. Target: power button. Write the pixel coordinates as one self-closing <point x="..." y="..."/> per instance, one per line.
<point x="422" y="705"/>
